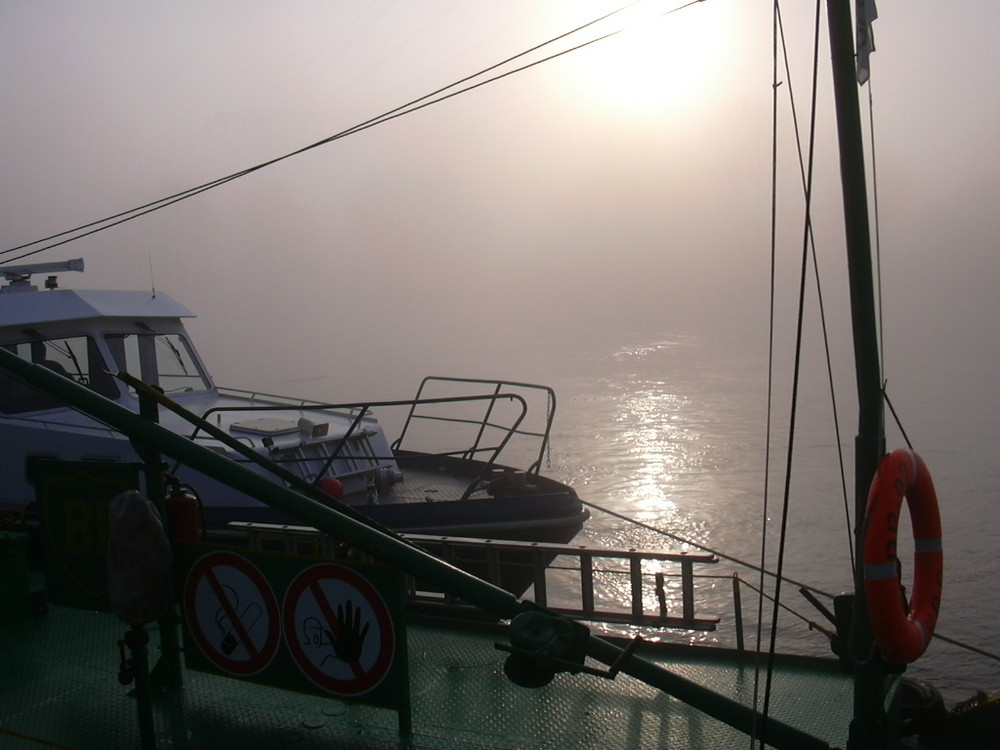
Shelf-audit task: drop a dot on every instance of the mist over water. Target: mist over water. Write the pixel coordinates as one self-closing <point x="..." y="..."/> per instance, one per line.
<point x="544" y="229"/>
<point x="671" y="431"/>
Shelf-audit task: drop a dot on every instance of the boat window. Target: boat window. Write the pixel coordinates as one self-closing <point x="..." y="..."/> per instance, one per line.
<point x="76" y="358"/>
<point x="163" y="359"/>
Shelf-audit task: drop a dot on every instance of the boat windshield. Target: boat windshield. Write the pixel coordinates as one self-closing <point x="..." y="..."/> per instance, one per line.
<point x="162" y="359"/>
<point x="76" y="357"/>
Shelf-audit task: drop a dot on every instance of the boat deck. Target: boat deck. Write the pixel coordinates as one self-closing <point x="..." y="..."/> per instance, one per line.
<point x="60" y="690"/>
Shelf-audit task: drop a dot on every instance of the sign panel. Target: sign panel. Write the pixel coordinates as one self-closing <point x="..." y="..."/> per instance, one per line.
<point x="296" y="622"/>
<point x="74" y="497"/>
<point x="339" y="630"/>
<point x="232" y="613"/>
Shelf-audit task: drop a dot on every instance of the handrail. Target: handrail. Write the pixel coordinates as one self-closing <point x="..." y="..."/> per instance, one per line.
<point x="532" y="558"/>
<point x="587" y="563"/>
<point x="738" y="610"/>
<point x="276" y="399"/>
<point x="361" y="409"/>
<point x="497" y="384"/>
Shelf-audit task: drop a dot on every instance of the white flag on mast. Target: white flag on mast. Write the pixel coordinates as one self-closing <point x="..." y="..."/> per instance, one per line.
<point x="865" y="13"/>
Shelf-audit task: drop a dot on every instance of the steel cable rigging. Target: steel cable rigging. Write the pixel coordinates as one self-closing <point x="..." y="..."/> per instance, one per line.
<point x="461" y="86"/>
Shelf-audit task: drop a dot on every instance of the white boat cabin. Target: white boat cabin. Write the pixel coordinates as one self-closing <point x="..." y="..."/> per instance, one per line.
<point x="87" y="335"/>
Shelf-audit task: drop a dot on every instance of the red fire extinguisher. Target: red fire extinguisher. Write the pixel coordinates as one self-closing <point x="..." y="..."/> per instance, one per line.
<point x="184" y="513"/>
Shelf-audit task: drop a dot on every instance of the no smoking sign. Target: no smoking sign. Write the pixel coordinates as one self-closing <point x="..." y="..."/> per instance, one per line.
<point x="232" y="613"/>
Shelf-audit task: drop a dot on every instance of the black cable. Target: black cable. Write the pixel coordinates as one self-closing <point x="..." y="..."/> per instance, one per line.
<point x="786" y="501"/>
<point x="404" y="109"/>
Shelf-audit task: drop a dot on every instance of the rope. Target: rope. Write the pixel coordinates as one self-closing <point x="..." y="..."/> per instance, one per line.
<point x="405" y="109"/>
<point x="793" y="411"/>
<point x="702" y="547"/>
<point x="813" y="625"/>
<point x="756" y="568"/>
<point x="820" y="301"/>
<point x="777" y="31"/>
<point x="875" y="218"/>
<point x="895" y="416"/>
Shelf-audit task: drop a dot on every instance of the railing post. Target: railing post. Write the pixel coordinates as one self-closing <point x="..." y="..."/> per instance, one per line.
<point x="492" y="563"/>
<point x="738" y="612"/>
<point x="661" y="594"/>
<point x="538" y="567"/>
<point x="687" y="588"/>
<point x="448" y="555"/>
<point x="635" y="578"/>
<point x="587" y="581"/>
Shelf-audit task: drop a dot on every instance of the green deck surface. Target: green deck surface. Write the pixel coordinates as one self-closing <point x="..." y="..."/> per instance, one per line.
<point x="59" y="689"/>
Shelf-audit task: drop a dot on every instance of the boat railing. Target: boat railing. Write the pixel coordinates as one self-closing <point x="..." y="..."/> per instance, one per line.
<point x="479" y="448"/>
<point x="828" y="630"/>
<point x="621" y="587"/>
<point x="45" y="421"/>
<point x="272" y="400"/>
<point x="486" y="421"/>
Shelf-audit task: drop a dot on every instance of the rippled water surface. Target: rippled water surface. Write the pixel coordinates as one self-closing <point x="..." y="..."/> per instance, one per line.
<point x="672" y="432"/>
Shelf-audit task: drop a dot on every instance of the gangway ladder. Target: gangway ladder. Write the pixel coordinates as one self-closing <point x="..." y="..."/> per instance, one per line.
<point x="643" y="569"/>
<point x="532" y="563"/>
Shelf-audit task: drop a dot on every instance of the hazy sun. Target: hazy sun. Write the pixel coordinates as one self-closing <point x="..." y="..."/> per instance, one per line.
<point x="657" y="61"/>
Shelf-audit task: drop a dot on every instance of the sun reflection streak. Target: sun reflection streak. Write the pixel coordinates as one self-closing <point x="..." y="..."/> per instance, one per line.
<point x="674" y="446"/>
<point x="654" y="439"/>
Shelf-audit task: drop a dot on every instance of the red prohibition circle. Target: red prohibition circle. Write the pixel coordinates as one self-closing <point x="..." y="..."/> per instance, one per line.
<point x="311" y="592"/>
<point x="228" y="637"/>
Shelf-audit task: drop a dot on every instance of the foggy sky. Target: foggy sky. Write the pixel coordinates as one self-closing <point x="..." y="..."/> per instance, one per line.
<point x="538" y="207"/>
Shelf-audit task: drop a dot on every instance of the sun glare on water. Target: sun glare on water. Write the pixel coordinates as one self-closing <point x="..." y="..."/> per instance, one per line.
<point x="655" y="62"/>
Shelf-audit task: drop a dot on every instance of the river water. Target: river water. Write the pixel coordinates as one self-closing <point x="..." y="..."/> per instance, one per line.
<point x="671" y="431"/>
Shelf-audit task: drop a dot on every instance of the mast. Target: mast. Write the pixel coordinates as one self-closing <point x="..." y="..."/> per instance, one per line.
<point x="869" y="727"/>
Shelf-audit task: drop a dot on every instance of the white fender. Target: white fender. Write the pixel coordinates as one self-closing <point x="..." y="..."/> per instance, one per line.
<point x="139" y="560"/>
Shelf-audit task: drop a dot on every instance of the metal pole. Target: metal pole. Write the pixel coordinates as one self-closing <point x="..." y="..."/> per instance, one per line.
<point x="869" y="727"/>
<point x="168" y="670"/>
<point x="137" y="640"/>
<point x="738" y="612"/>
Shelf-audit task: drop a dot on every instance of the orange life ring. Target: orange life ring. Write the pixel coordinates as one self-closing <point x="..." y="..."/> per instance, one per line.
<point x="902" y="630"/>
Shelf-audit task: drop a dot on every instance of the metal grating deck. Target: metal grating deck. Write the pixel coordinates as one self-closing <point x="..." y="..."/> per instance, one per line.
<point x="59" y="690"/>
